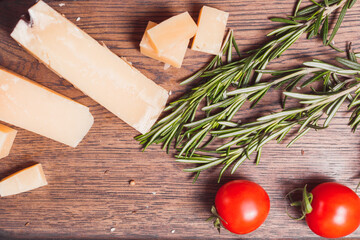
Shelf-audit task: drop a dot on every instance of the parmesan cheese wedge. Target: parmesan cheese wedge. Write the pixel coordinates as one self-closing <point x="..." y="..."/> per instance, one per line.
<point x="91" y="67"/>
<point x="173" y="56"/>
<point x="7" y="137"/>
<point x="169" y="33"/>
<point x="29" y="105"/>
<point x="23" y="181"/>
<point x="211" y="29"/>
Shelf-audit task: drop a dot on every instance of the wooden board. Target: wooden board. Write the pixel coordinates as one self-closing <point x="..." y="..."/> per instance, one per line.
<point x="89" y="195"/>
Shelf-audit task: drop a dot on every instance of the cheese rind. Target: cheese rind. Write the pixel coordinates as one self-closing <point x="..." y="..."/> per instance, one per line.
<point x="211" y="29"/>
<point x="7" y="137"/>
<point x="91" y="67"/>
<point x="25" y="180"/>
<point x="173" y="56"/>
<point x="169" y="33"/>
<point x="29" y="105"/>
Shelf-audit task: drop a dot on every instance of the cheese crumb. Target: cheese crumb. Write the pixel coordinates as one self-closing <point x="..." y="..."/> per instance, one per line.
<point x="78" y="19"/>
<point x="61" y="4"/>
<point x="112" y="229"/>
<point x="132" y="183"/>
<point x="172" y="231"/>
<point x="166" y="66"/>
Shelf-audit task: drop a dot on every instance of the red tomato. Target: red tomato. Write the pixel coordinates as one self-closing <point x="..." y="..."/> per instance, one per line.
<point x="335" y="210"/>
<point x="242" y="206"/>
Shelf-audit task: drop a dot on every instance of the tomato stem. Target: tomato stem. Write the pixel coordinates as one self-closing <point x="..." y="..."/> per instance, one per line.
<point x="305" y="203"/>
<point x="307" y="199"/>
<point x="216" y="217"/>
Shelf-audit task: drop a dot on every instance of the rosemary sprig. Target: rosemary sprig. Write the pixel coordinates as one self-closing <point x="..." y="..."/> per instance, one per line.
<point x="170" y="128"/>
<point x="249" y="138"/>
<point x="230" y="105"/>
<point x="181" y="125"/>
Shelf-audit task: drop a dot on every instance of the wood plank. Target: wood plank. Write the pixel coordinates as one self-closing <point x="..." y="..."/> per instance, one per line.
<point x="89" y="192"/>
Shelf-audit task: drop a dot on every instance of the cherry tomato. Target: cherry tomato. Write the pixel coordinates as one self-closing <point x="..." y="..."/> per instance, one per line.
<point x="335" y="210"/>
<point x="242" y="206"/>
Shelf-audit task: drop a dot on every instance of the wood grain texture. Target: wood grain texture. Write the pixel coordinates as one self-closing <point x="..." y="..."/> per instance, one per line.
<point x="89" y="192"/>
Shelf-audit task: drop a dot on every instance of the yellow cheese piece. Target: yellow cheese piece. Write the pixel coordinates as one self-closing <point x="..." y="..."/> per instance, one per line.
<point x="169" y="33"/>
<point x="23" y="181"/>
<point x="7" y="137"/>
<point x="211" y="29"/>
<point x="173" y="56"/>
<point x="91" y="67"/>
<point x="28" y="105"/>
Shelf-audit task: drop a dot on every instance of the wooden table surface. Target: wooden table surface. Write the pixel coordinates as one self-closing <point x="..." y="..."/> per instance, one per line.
<point x="89" y="195"/>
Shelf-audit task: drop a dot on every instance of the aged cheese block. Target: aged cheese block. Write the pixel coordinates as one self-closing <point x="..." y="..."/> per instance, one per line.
<point x="167" y="34"/>
<point x="91" y="67"/>
<point x="211" y="29"/>
<point x="173" y="56"/>
<point x="23" y="181"/>
<point x="7" y="137"/>
<point x="29" y="105"/>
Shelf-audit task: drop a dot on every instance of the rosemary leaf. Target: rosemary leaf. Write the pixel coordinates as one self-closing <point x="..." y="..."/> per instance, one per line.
<point x="324" y="66"/>
<point x="236" y="46"/>
<point x="307" y="10"/>
<point x="298" y="137"/>
<point x="335" y="48"/>
<point x="303" y="96"/>
<point x="351" y="4"/>
<point x="348" y="63"/>
<point x="205" y="166"/>
<point x="229" y="48"/>
<point x="334" y="110"/>
<point x="283" y="20"/>
<point x="316" y="3"/>
<point x="313" y="79"/>
<point x="325" y="30"/>
<point x="297" y="7"/>
<point x="339" y="21"/>
<point x="318" y="22"/>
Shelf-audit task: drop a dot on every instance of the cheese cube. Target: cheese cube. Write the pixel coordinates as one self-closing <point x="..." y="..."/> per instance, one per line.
<point x="91" y="67"/>
<point x="211" y="29"/>
<point x="169" y="33"/>
<point x="173" y="56"/>
<point x="7" y="137"/>
<point x="23" y="181"/>
<point x="29" y="105"/>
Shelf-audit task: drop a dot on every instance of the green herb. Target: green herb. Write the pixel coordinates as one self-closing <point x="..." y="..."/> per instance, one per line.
<point x="170" y="128"/>
<point x="348" y="5"/>
<point x="246" y="139"/>
<point x="189" y="128"/>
